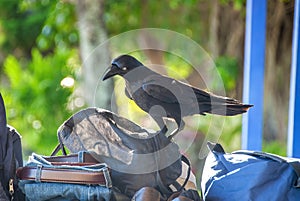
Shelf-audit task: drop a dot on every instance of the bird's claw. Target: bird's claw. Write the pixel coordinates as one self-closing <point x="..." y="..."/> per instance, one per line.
<point x="173" y="134"/>
<point x="163" y="131"/>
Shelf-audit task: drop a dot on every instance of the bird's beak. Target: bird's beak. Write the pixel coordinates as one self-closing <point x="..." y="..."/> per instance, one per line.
<point x="110" y="72"/>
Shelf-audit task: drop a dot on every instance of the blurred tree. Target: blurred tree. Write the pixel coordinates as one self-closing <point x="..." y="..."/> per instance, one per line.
<point x="227" y="38"/>
<point x="277" y="72"/>
<point x="94" y="52"/>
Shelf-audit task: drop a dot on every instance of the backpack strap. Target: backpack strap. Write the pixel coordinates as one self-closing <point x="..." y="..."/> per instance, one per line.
<point x="186" y="161"/>
<point x="178" y="187"/>
<point x="17" y="145"/>
<point x="166" y="190"/>
<point x="163" y="189"/>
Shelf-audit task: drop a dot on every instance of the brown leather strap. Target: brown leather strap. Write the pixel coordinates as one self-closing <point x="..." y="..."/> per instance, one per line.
<point x="62" y="175"/>
<point x="72" y="158"/>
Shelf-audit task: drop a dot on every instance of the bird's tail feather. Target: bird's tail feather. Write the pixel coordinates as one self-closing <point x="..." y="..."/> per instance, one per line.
<point x="213" y="104"/>
<point x="224" y="106"/>
<point x="229" y="109"/>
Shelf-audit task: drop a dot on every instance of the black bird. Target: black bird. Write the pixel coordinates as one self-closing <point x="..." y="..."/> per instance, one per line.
<point x="164" y="97"/>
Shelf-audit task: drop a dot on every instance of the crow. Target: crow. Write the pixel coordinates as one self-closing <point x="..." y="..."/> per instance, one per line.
<point x="164" y="97"/>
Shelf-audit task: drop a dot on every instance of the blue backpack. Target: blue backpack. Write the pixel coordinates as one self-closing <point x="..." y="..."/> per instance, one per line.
<point x="249" y="176"/>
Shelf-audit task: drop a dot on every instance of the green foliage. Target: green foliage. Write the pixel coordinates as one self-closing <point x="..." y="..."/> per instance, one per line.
<point x="275" y="147"/>
<point x="21" y="22"/>
<point x="44" y="24"/>
<point x="237" y="4"/>
<point x="121" y="16"/>
<point x="177" y="67"/>
<point x="37" y="101"/>
<point x="229" y="70"/>
<point x="38" y="38"/>
<point x="231" y="135"/>
<point x="59" y="30"/>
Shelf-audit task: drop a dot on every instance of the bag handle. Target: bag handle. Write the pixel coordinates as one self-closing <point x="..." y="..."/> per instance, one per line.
<point x="59" y="147"/>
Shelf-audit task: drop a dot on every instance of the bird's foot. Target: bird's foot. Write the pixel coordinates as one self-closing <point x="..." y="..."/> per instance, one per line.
<point x="173" y="134"/>
<point x="177" y="130"/>
<point x="163" y="131"/>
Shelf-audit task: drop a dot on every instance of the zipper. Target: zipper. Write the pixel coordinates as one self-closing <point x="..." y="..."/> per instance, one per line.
<point x="11" y="188"/>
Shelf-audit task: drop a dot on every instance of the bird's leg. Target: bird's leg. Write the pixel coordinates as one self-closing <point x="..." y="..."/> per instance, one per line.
<point x="164" y="130"/>
<point x="160" y="122"/>
<point x="180" y="128"/>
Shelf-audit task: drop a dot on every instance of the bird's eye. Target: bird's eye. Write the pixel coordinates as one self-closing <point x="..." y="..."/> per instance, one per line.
<point x="124" y="68"/>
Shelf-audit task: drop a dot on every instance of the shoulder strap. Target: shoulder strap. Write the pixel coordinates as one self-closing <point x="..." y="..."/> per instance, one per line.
<point x="17" y="145"/>
<point x="178" y="186"/>
<point x="186" y="161"/>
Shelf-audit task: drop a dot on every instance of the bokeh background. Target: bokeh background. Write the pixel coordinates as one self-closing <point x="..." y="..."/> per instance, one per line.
<point x="47" y="71"/>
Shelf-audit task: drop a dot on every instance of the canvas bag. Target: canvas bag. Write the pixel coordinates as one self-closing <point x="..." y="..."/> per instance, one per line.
<point x="249" y="176"/>
<point x="137" y="157"/>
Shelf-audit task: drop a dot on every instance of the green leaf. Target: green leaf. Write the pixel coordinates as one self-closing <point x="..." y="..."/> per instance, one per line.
<point x="13" y="70"/>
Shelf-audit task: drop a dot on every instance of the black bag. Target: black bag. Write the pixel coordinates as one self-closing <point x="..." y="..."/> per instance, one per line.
<point x="10" y="158"/>
<point x="137" y="157"/>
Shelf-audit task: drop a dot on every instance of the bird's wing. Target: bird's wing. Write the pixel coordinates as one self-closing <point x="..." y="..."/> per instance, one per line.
<point x="172" y="91"/>
<point x="169" y="90"/>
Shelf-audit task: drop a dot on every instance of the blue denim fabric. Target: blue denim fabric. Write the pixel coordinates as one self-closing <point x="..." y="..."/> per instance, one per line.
<point x="36" y="160"/>
<point x="40" y="191"/>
